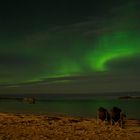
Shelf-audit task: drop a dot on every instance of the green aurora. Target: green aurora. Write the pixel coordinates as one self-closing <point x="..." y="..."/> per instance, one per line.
<point x="114" y="46"/>
<point x="80" y="49"/>
<point x="108" y="47"/>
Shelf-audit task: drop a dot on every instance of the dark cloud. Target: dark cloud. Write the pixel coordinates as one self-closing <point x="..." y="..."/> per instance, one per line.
<point x="127" y="64"/>
<point x="14" y="60"/>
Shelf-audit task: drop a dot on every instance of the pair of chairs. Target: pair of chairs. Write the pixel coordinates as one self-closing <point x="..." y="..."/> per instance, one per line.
<point x="115" y="115"/>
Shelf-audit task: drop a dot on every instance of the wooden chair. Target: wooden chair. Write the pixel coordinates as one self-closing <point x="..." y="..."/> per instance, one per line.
<point x="117" y="117"/>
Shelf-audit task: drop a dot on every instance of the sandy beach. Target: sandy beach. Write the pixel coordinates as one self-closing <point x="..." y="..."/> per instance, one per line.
<point x="43" y="127"/>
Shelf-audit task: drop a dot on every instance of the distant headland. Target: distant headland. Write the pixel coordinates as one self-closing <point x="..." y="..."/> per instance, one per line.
<point x="129" y="97"/>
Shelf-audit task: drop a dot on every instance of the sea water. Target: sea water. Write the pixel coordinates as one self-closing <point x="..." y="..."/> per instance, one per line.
<point x="82" y="108"/>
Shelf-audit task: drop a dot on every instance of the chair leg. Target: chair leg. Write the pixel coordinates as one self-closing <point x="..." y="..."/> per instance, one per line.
<point x="97" y="119"/>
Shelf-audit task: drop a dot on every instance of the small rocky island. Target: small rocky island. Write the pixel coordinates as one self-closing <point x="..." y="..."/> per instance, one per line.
<point x="129" y="97"/>
<point x="30" y="100"/>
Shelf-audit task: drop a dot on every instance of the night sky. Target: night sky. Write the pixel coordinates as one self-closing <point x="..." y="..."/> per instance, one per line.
<point x="70" y="47"/>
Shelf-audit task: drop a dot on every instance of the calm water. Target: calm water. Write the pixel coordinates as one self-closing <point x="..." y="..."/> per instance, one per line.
<point x="84" y="108"/>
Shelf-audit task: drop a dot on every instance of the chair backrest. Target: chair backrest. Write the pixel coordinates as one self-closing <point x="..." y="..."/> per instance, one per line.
<point x="103" y="114"/>
<point x="115" y="114"/>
